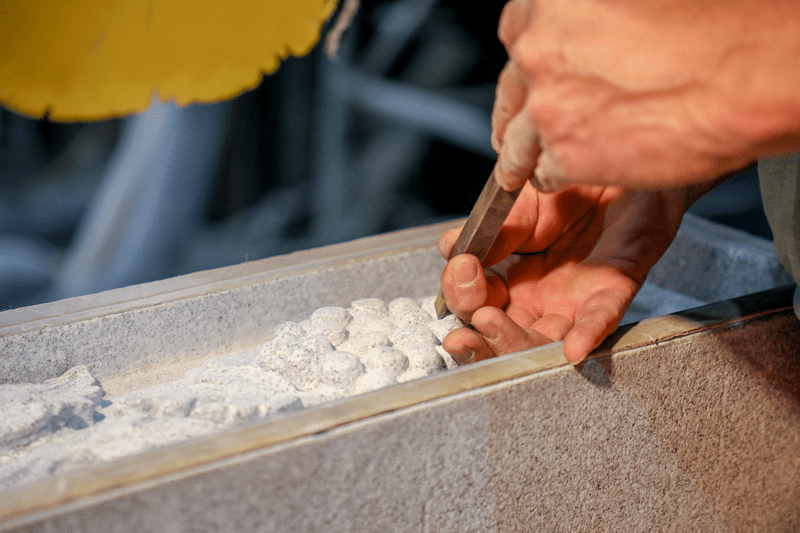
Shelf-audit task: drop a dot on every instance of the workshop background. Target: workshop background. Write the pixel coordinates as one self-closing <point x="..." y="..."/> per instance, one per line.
<point x="393" y="134"/>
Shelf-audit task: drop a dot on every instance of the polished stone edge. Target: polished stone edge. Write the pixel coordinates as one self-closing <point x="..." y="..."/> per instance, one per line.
<point x="699" y="319"/>
<point x="81" y="488"/>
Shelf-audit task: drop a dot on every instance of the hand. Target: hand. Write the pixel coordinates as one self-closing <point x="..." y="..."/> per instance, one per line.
<point x="585" y="253"/>
<point x="644" y="93"/>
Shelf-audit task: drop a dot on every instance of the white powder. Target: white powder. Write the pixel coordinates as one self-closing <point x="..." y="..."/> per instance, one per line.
<point x="63" y="423"/>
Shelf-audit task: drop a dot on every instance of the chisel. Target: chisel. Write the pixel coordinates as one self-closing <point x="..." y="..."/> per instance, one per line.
<point x="481" y="228"/>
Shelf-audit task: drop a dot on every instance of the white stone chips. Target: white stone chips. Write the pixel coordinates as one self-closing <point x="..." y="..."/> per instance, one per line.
<point x="33" y="410"/>
<point x="367" y="342"/>
<point x="64" y="422"/>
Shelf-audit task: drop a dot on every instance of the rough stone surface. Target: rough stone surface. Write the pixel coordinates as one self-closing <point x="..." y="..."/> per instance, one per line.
<point x="364" y="343"/>
<point x="31" y="411"/>
<point x="64" y="423"/>
<point x="386" y="358"/>
<point x="425" y="358"/>
<point x="369" y="306"/>
<point x="366" y="323"/>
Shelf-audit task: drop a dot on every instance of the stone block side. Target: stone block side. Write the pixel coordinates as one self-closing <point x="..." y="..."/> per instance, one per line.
<point x="144" y="336"/>
<point x="712" y="262"/>
<point x="699" y="433"/>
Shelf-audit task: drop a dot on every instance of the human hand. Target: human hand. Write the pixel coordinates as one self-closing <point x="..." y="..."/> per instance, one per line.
<point x="644" y="93"/>
<point x="584" y="254"/>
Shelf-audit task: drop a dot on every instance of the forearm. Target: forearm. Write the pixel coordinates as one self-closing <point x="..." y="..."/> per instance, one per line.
<point x="760" y="77"/>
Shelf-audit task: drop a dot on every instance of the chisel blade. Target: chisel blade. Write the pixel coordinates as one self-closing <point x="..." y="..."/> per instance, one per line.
<point x="479" y="232"/>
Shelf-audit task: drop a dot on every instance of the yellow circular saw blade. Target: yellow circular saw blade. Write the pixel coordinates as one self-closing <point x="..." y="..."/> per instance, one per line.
<point x="95" y="59"/>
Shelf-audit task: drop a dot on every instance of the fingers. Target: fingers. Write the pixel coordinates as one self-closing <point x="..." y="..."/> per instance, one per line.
<point x="514" y="135"/>
<point x="553" y="325"/>
<point x="503" y="335"/>
<point x="466" y="288"/>
<point x="509" y="101"/>
<point x="598" y="317"/>
<point x="514" y="20"/>
<point x="516" y="230"/>
<point x="548" y="175"/>
<point x="496" y="334"/>
<point x="447" y="241"/>
<point x="467" y="346"/>
<point x="519" y="152"/>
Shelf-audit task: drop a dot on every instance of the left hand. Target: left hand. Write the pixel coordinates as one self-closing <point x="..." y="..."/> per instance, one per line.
<point x="585" y="253"/>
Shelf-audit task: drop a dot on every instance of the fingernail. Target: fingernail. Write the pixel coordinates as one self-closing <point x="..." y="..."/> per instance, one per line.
<point x="465" y="273"/>
<point x="489" y="330"/>
<point x="463" y="358"/>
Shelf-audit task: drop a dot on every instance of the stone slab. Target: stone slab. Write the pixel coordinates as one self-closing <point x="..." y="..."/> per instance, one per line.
<point x="698" y="429"/>
<point x="469" y="450"/>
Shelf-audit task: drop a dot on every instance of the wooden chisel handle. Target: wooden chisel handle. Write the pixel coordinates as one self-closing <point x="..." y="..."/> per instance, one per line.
<point x="481" y="228"/>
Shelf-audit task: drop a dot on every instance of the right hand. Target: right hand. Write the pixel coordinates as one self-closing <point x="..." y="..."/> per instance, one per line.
<point x="644" y="93"/>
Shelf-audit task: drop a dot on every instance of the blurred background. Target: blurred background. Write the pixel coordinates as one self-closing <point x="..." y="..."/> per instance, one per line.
<point x="393" y="134"/>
